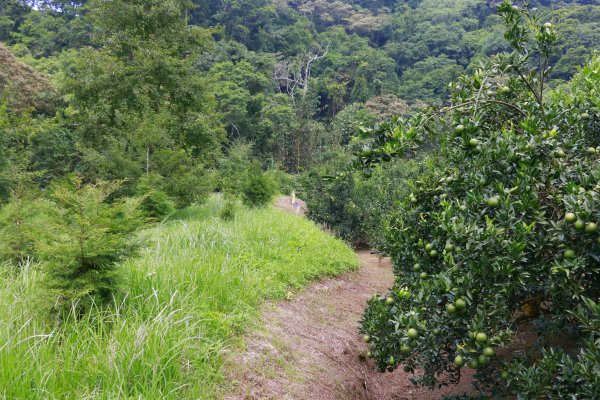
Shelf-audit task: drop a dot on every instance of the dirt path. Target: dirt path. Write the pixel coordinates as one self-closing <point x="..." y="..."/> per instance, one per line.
<point x="309" y="347"/>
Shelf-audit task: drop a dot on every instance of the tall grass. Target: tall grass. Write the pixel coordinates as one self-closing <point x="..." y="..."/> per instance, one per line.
<point x="184" y="302"/>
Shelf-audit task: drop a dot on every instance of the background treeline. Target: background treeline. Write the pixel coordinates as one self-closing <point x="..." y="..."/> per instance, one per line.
<point x="153" y="105"/>
<point x="294" y="78"/>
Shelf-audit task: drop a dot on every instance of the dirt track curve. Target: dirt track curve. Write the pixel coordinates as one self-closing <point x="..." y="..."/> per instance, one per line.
<point x="309" y="347"/>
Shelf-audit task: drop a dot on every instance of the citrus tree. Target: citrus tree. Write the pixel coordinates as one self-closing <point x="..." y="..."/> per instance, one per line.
<point x="501" y="236"/>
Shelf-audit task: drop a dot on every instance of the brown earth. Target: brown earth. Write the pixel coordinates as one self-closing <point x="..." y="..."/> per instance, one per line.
<point x="309" y="347"/>
<point x="285" y="203"/>
<point x="23" y="86"/>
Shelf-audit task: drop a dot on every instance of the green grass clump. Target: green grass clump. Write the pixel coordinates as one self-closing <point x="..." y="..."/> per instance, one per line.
<point x="184" y="303"/>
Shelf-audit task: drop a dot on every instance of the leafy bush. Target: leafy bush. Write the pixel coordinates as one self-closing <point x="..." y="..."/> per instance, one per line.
<point x="333" y="203"/>
<point x="357" y="207"/>
<point x="284" y="183"/>
<point x="228" y="210"/>
<point x="189" y="185"/>
<point x="155" y="204"/>
<point x="86" y="237"/>
<point x="258" y="190"/>
<point x="19" y="230"/>
<point x="502" y="233"/>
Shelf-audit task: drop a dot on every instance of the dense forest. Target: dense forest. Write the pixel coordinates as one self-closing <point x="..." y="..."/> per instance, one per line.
<point x="116" y="116"/>
<point x="293" y="79"/>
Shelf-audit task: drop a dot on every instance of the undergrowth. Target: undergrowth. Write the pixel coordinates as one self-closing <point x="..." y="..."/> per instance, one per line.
<point x="184" y="303"/>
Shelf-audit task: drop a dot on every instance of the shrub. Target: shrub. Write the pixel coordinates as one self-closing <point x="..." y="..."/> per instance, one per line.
<point x="86" y="239"/>
<point x="19" y="230"/>
<point x="355" y="207"/>
<point x="284" y="183"/>
<point x="500" y="235"/>
<point x="228" y="210"/>
<point x="189" y="185"/>
<point x="258" y="190"/>
<point x="155" y="204"/>
<point x="235" y="168"/>
<point x="333" y="203"/>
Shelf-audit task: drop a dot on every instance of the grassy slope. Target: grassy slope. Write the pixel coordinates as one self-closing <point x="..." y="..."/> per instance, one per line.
<point x="186" y="299"/>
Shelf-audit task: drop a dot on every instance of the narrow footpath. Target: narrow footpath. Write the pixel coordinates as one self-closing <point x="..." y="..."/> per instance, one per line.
<point x="309" y="347"/>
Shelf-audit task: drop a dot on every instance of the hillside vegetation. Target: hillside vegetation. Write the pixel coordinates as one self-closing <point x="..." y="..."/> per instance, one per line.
<point x="459" y="137"/>
<point x="23" y="86"/>
<point x="196" y="286"/>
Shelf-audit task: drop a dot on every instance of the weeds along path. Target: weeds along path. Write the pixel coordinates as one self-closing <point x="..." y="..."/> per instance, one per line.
<point x="309" y="347"/>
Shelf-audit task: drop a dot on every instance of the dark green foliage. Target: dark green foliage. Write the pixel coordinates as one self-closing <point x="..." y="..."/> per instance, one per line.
<point x="235" y="168"/>
<point x="481" y="244"/>
<point x="19" y="230"/>
<point x="155" y="202"/>
<point x="283" y="182"/>
<point x="85" y="238"/>
<point x="333" y="202"/>
<point x="560" y="373"/>
<point x="258" y="190"/>
<point x="157" y="205"/>
<point x="228" y="211"/>
<point x="141" y="107"/>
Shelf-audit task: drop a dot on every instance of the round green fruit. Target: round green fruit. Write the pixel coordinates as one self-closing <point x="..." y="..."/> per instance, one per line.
<point x="548" y="25"/>
<point x="473" y="142"/>
<point x="585" y="116"/>
<point x="459" y="128"/>
<point x="460" y="304"/>
<point x="579" y="224"/>
<point x="390" y="301"/>
<point x="367" y="339"/>
<point x="366" y="153"/>
<point x="405" y="349"/>
<point x="504" y="375"/>
<point x="424" y="275"/>
<point x="369" y="354"/>
<point x="560" y="154"/>
<point x="412" y="333"/>
<point x="569" y="254"/>
<point x="473" y="364"/>
<point x="436" y="332"/>
<point x="591" y="227"/>
<point x="429" y="246"/>
<point x="449" y="247"/>
<point x="413" y="199"/>
<point x="483" y="360"/>
<point x="433" y="253"/>
<point x="417" y="267"/>
<point x="451" y="308"/>
<point x="481" y="337"/>
<point x="458" y="361"/>
<point x="591" y="150"/>
<point x="570" y="217"/>
<point x="489" y="352"/>
<point x="493" y="201"/>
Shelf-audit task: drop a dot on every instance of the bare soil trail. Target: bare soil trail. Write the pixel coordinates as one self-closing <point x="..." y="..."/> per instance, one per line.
<point x="309" y="348"/>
